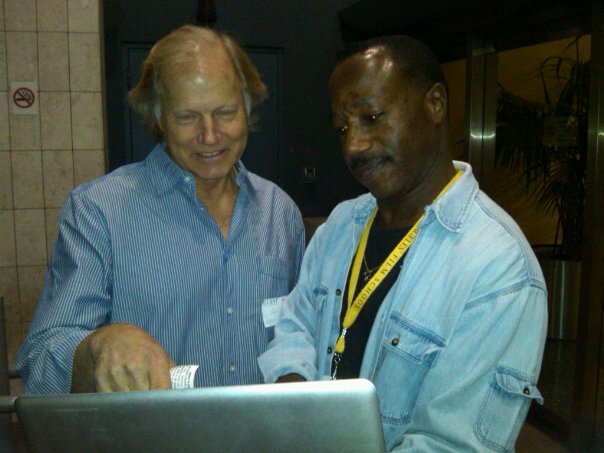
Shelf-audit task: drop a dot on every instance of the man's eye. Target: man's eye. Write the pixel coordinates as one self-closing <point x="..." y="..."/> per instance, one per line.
<point x="183" y="117"/>
<point x="341" y="129"/>
<point x="226" y="113"/>
<point x="373" y="117"/>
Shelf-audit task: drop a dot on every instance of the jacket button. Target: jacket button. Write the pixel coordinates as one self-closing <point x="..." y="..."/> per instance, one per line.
<point x="338" y="292"/>
<point x="526" y="391"/>
<point x="329" y="349"/>
<point x="394" y="341"/>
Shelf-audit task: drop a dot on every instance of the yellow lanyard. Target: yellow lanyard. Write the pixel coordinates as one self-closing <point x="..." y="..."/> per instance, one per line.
<point x="354" y="307"/>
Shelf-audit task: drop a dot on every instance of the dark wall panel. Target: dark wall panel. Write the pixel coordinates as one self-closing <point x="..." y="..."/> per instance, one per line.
<point x="309" y="36"/>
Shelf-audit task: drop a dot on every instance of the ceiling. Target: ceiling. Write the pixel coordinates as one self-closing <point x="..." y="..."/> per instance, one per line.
<point x="445" y="25"/>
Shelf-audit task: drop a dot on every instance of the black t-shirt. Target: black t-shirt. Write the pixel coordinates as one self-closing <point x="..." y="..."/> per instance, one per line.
<point x="379" y="245"/>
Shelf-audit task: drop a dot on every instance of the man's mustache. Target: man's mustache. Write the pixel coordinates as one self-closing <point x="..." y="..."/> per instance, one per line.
<point x="366" y="160"/>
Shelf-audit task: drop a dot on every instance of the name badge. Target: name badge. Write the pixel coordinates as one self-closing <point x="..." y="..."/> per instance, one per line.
<point x="271" y="309"/>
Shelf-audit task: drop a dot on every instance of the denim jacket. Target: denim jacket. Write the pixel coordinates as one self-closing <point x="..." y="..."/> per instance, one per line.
<point x="456" y="347"/>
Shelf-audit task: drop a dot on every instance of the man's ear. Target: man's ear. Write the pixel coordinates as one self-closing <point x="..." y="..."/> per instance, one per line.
<point x="435" y="103"/>
<point x="157" y="115"/>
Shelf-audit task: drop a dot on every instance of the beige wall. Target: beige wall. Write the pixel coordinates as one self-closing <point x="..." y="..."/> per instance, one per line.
<point x="56" y="43"/>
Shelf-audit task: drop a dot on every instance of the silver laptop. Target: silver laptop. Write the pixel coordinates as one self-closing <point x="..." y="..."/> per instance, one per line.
<point x="325" y="416"/>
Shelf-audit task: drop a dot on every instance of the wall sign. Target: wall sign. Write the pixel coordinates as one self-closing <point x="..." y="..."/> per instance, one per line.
<point x="23" y="98"/>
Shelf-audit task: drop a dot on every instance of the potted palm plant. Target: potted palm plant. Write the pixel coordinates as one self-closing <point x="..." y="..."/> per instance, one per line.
<point x="547" y="143"/>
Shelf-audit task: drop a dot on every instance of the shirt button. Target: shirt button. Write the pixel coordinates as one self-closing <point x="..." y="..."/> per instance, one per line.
<point x="230" y="310"/>
<point x="338" y="292"/>
<point x="329" y="350"/>
<point x="394" y="341"/>
<point x="526" y="391"/>
<point x="232" y="368"/>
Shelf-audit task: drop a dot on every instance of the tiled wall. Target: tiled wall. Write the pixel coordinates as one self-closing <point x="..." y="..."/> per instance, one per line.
<point x="57" y="44"/>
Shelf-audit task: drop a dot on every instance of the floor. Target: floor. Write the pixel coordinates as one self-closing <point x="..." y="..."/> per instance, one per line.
<point x="532" y="440"/>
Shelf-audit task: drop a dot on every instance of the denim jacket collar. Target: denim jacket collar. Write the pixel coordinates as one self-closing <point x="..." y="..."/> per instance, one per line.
<point x="450" y="210"/>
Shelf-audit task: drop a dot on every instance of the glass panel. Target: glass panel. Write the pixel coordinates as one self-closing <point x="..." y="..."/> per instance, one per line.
<point x="455" y="74"/>
<point x="541" y="149"/>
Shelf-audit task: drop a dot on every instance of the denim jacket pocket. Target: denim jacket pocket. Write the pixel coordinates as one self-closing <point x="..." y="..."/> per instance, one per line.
<point x="407" y="354"/>
<point x="504" y="409"/>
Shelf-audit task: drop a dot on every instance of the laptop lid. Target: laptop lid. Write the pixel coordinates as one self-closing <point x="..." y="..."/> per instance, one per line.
<point x="323" y="416"/>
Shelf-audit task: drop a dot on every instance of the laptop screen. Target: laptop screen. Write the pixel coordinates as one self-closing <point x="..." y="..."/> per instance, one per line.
<point x="324" y="416"/>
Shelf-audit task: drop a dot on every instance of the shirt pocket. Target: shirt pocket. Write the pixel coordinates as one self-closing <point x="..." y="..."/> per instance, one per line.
<point x="407" y="354"/>
<point x="270" y="279"/>
<point x="274" y="274"/>
<point x="273" y="266"/>
<point x="504" y="409"/>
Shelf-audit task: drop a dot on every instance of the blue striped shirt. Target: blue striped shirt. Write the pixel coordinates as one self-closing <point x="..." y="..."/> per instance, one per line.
<point x="137" y="246"/>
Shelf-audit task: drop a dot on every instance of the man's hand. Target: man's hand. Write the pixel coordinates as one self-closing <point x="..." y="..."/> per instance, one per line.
<point x="120" y="357"/>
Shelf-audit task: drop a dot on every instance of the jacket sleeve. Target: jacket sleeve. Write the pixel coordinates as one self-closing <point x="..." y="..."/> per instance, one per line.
<point x="476" y="398"/>
<point x="293" y="350"/>
<point x="299" y="246"/>
<point x="75" y="300"/>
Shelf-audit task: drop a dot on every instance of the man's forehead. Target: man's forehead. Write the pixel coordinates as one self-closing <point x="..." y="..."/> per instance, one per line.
<point x="376" y="58"/>
<point x="213" y="58"/>
<point x="371" y="64"/>
<point x="199" y="68"/>
<point x="368" y="76"/>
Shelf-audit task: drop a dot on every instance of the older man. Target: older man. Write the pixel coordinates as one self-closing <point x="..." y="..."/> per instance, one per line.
<point x="170" y="260"/>
<point x="424" y="286"/>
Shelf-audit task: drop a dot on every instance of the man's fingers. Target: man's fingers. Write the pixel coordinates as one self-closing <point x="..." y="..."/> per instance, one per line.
<point x="111" y="376"/>
<point x="119" y="374"/>
<point x="121" y="357"/>
<point x="159" y="375"/>
<point x="138" y="377"/>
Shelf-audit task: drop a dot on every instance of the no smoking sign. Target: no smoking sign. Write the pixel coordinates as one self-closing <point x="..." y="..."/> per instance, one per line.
<point x="23" y="98"/>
